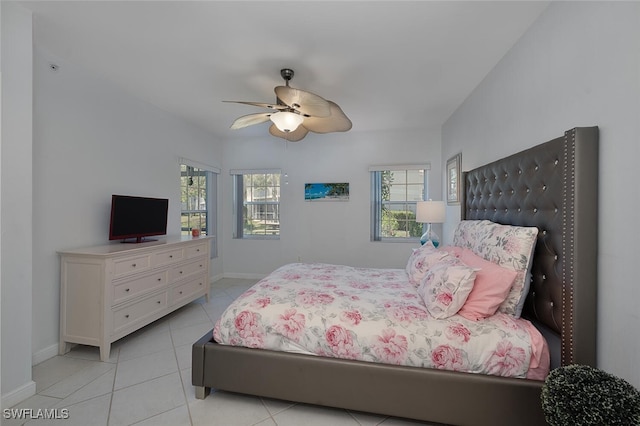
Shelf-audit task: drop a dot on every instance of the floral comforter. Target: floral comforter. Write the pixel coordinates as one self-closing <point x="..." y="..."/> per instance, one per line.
<point x="372" y="315"/>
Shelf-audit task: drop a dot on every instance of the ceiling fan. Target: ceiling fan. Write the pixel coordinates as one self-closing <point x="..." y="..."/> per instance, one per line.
<point x="296" y="113"/>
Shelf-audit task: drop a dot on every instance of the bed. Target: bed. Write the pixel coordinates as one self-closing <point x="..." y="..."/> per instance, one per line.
<point x="552" y="186"/>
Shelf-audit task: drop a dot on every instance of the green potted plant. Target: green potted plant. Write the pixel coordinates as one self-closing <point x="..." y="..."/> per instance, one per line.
<point x="579" y="395"/>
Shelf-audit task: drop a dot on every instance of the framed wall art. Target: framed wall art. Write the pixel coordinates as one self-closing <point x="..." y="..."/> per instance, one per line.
<point x="326" y="191"/>
<point x="453" y="179"/>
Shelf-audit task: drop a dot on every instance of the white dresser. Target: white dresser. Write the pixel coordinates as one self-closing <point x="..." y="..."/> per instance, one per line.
<point x="110" y="291"/>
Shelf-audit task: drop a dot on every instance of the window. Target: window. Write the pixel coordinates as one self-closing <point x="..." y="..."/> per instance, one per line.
<point x="395" y="192"/>
<point x="198" y="197"/>
<point x="256" y="203"/>
<point x="193" y="189"/>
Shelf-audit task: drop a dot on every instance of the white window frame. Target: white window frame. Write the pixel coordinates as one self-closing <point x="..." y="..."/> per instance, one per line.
<point x="239" y="204"/>
<point x="377" y="203"/>
<point x="211" y="202"/>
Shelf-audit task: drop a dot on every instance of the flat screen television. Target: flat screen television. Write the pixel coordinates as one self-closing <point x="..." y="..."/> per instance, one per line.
<point x="133" y="219"/>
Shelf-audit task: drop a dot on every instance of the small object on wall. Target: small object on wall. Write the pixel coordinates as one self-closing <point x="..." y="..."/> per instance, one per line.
<point x="454" y="164"/>
<point x="195" y="232"/>
<point x="326" y="191"/>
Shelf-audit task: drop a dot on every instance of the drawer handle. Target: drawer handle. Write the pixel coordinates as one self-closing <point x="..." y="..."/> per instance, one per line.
<point x="180" y="292"/>
<point x="180" y="271"/>
<point x="126" y="316"/>
<point x="133" y="265"/>
<point x="201" y="266"/>
<point x="197" y="249"/>
<point x="170" y="256"/>
<point x="159" y="302"/>
<point x="159" y="279"/>
<point x="126" y="289"/>
<point x="200" y="284"/>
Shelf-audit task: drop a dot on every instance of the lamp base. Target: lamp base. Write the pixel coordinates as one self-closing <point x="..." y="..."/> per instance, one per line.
<point x="430" y="236"/>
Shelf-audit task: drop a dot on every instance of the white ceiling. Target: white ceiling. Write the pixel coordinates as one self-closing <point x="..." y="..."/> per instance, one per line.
<point x="388" y="64"/>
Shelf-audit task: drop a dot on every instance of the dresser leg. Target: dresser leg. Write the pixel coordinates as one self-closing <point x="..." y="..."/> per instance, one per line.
<point x="63" y="348"/>
<point x="104" y="352"/>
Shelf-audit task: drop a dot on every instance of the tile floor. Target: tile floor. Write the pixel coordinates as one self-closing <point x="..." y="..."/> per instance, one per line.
<point x="147" y="381"/>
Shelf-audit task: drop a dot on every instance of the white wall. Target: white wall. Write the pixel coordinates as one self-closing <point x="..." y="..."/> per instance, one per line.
<point x="16" y="203"/>
<point x="333" y="232"/>
<point x="91" y="140"/>
<point x="578" y="65"/>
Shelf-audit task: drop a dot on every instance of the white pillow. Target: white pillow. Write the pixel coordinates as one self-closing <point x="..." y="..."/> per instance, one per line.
<point x="421" y="260"/>
<point x="446" y="286"/>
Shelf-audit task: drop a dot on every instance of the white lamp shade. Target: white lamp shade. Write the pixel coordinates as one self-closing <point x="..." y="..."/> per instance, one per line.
<point x="430" y="212"/>
<point x="286" y="121"/>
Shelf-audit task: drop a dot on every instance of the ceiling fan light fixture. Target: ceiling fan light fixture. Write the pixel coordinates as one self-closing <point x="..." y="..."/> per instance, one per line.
<point x="286" y="121"/>
<point x="294" y="107"/>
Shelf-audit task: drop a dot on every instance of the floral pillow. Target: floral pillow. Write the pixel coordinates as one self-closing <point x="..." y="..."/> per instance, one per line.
<point x="506" y="245"/>
<point x="421" y="260"/>
<point x="452" y="250"/>
<point x="446" y="287"/>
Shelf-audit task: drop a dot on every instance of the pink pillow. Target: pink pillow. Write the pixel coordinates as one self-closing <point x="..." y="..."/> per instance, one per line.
<point x="491" y="287"/>
<point x="421" y="260"/>
<point x="446" y="286"/>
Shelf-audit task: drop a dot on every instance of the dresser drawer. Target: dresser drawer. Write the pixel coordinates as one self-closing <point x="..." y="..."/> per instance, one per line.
<point x="167" y="257"/>
<point x="195" y="251"/>
<point x="131" y="265"/>
<point x="187" y="290"/>
<point x="129" y="315"/>
<point x="127" y="289"/>
<point x="188" y="269"/>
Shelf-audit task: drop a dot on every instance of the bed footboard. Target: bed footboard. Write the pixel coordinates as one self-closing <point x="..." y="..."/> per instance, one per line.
<point x="422" y="394"/>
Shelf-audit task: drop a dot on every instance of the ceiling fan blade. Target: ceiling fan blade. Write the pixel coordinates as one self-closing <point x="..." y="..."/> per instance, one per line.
<point x="260" y="104"/>
<point x="295" y="136"/>
<point x="250" y="120"/>
<point x="307" y="103"/>
<point x="336" y="122"/>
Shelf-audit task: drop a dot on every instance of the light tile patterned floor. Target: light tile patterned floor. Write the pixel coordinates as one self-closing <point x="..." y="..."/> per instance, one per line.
<point x="147" y="381"/>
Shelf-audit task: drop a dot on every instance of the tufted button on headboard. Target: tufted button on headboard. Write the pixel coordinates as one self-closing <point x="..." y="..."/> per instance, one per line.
<point x="552" y="186"/>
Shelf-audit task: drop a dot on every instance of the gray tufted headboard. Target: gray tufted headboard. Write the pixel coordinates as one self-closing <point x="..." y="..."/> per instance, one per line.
<point x="553" y="186"/>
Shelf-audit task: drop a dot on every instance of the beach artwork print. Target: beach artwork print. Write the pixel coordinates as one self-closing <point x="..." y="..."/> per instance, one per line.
<point x="326" y="191"/>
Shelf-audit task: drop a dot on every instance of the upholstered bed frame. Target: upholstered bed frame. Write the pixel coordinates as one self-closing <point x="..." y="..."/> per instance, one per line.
<point x="552" y="186"/>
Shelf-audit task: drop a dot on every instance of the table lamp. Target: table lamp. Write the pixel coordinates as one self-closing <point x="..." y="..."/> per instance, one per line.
<point x="430" y="212"/>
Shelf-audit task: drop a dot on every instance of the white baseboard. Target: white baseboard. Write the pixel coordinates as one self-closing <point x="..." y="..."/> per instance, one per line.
<point x="244" y="276"/>
<point x="217" y="277"/>
<point x="18" y="395"/>
<point x="44" y="354"/>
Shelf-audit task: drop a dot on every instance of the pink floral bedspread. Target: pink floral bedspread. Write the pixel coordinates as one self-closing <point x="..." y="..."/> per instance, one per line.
<point x="372" y="315"/>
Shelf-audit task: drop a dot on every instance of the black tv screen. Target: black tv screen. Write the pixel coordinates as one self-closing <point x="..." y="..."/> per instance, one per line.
<point x="137" y="217"/>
